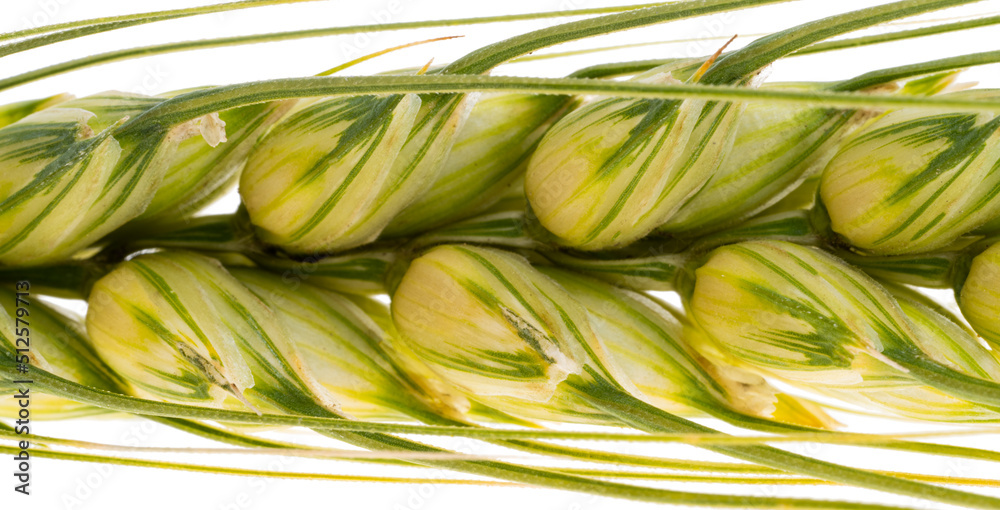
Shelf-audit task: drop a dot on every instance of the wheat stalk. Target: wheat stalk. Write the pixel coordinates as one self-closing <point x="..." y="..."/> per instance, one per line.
<point x="690" y="175"/>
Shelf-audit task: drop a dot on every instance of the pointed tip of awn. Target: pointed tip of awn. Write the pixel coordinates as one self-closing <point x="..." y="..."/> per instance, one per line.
<point x="711" y="60"/>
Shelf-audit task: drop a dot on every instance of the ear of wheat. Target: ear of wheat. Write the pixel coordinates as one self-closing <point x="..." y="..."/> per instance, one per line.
<point x="517" y="224"/>
<point x="816" y="315"/>
<point x="976" y="292"/>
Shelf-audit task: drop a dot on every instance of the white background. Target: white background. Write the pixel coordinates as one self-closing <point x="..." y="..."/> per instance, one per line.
<point x="58" y="485"/>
